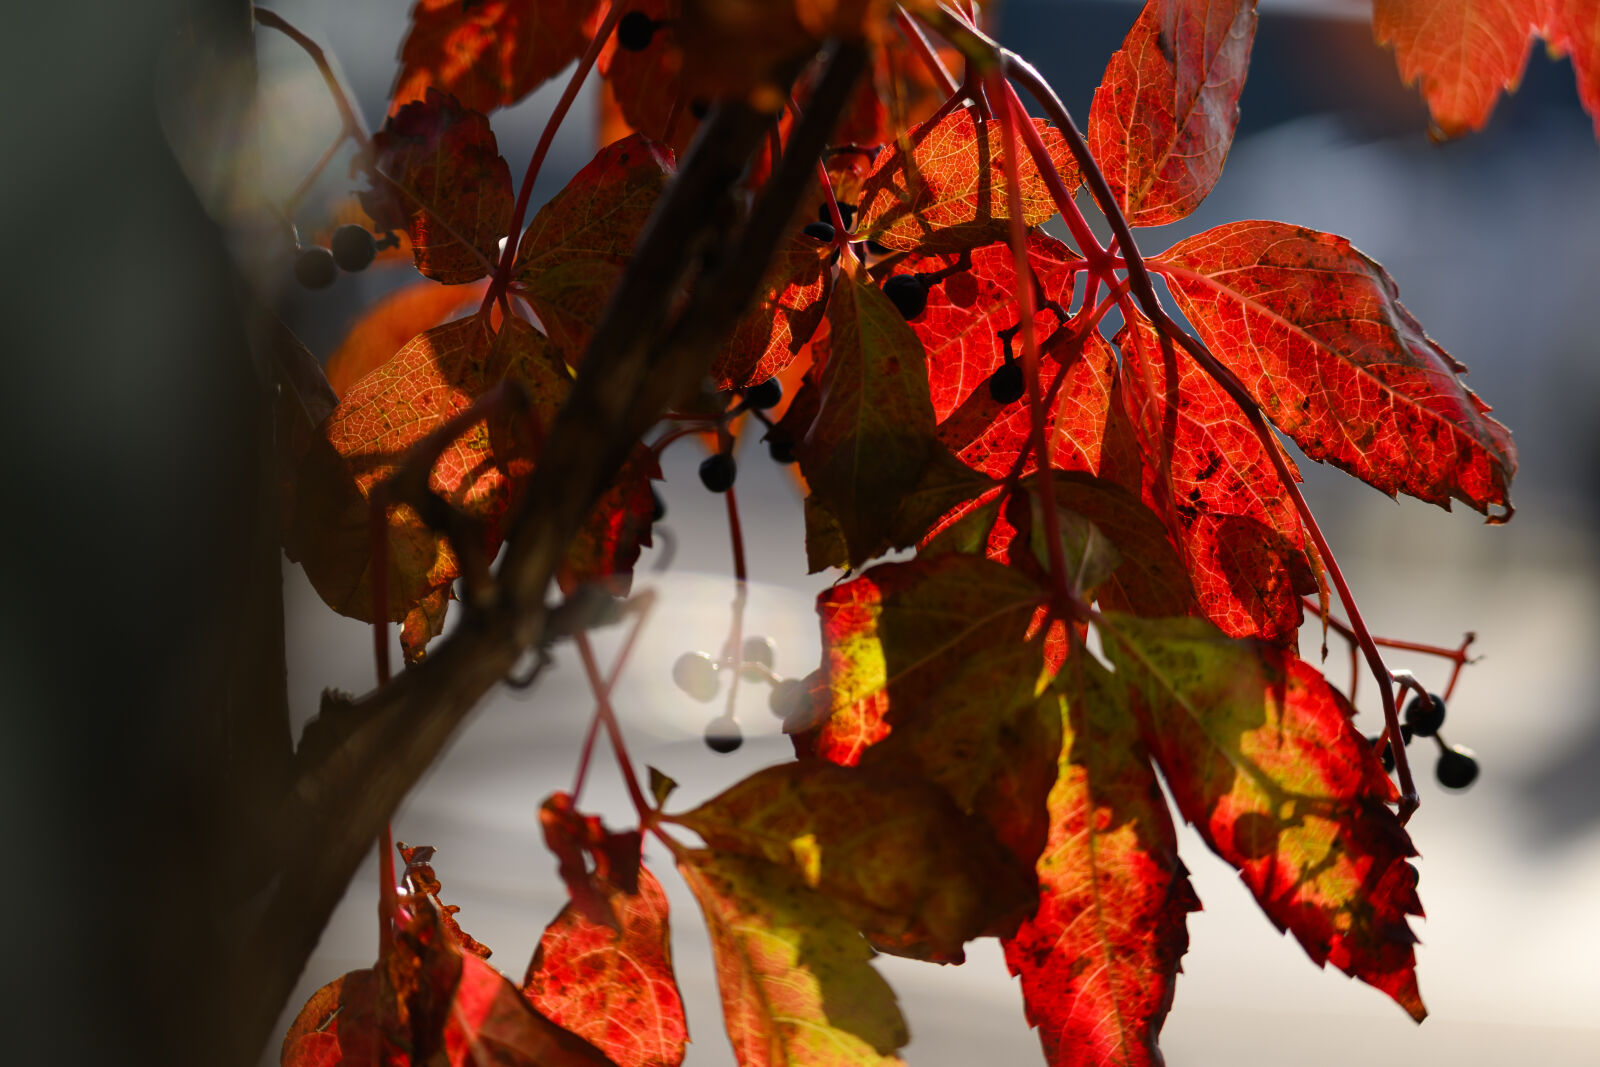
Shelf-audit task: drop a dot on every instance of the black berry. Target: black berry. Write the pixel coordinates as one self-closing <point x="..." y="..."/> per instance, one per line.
<point x="1457" y="767"/>
<point x="782" y="451"/>
<point x="764" y="396"/>
<point x="820" y="231"/>
<point x="314" y="267"/>
<point x="788" y="698"/>
<point x="699" y="108"/>
<point x="907" y="293"/>
<point x="658" y="507"/>
<point x="1005" y="384"/>
<point x="635" y="31"/>
<point x="353" y="247"/>
<point x="759" y="650"/>
<point x="696" y="675"/>
<point x="875" y="248"/>
<point x="717" y="472"/>
<point x="1425" y="716"/>
<point x="723" y="735"/>
<point x="1387" y="755"/>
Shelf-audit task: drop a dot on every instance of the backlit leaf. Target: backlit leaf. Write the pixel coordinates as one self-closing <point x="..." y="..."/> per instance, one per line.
<point x="797" y="989"/>
<point x="1460" y="52"/>
<point x="917" y="876"/>
<point x="874" y="428"/>
<point x="646" y="85"/>
<point x="608" y="544"/>
<point x="441" y="178"/>
<point x="489" y="53"/>
<point x="1099" y="959"/>
<point x="1206" y="473"/>
<point x="1261" y="756"/>
<point x="614" y="987"/>
<point x="420" y="877"/>
<point x="1316" y="332"/>
<point x="1163" y="117"/>
<point x="1574" y="29"/>
<point x="575" y="249"/>
<point x="948" y="194"/>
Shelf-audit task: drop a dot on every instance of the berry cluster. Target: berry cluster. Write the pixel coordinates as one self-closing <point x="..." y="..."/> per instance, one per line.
<point x="352" y="249"/>
<point x="698" y="675"/>
<point x="1457" y="767"/>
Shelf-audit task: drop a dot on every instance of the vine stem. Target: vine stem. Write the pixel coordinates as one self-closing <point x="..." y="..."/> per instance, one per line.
<point x="378" y="572"/>
<point x="1457" y="656"/>
<point x="1009" y="121"/>
<point x="925" y="51"/>
<point x="502" y="274"/>
<point x="349" y="118"/>
<point x="733" y="652"/>
<point x="642" y="605"/>
<point x="608" y="718"/>
<point x="1144" y="292"/>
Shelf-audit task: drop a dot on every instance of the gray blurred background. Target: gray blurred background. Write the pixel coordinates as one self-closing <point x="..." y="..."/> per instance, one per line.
<point x="112" y="302"/>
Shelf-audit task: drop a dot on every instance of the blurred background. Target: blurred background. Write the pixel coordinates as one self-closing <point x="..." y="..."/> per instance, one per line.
<point x="1494" y="242"/>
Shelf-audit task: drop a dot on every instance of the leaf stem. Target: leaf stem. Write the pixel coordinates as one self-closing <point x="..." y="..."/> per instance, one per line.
<point x="502" y="274"/>
<point x="733" y="651"/>
<point x="608" y="717"/>
<point x="1009" y="120"/>
<point x="925" y="51"/>
<point x="349" y="118"/>
<point x="640" y="604"/>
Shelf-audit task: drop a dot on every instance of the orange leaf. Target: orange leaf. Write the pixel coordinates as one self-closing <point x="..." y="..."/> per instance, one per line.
<point x="1163" y="117"/>
<point x="386" y="326"/>
<point x="949" y="193"/>
<point x="791" y="303"/>
<point x="1461" y="52"/>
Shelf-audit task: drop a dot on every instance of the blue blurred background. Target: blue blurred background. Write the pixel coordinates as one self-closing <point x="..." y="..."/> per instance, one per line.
<point x="1494" y="242"/>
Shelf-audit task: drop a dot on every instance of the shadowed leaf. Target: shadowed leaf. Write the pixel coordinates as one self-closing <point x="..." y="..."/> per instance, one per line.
<point x="440" y="177"/>
<point x="797" y="990"/>
<point x="1163" y="117"/>
<point x="1261" y="756"/>
<point x="893" y="852"/>
<point x="489" y="53"/>
<point x="874" y="427"/>
<point x="1316" y="332"/>
<point x="790" y="304"/>
<point x="575" y="249"/>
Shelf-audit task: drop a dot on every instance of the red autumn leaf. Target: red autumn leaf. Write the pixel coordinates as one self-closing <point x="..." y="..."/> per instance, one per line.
<point x="365" y="441"/>
<point x="386" y="326"/>
<point x="973" y="304"/>
<point x="791" y="303"/>
<point x="874" y="427"/>
<point x="1206" y="473"/>
<point x="1262" y="757"/>
<point x="577" y="840"/>
<point x="575" y="249"/>
<point x="614" y="987"/>
<point x="1574" y="29"/>
<point x="1099" y="959"/>
<point x="796" y="983"/>
<point x="1316" y="332"/>
<point x="948" y="193"/>
<point x="1163" y="117"/>
<point x="426" y="1003"/>
<point x="489" y="53"/>
<point x="440" y="177"/>
<point x="422" y="880"/>
<point x="1461" y="52"/>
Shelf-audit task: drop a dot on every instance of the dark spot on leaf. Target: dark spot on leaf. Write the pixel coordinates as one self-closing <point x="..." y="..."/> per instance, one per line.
<point x="1255" y="836"/>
